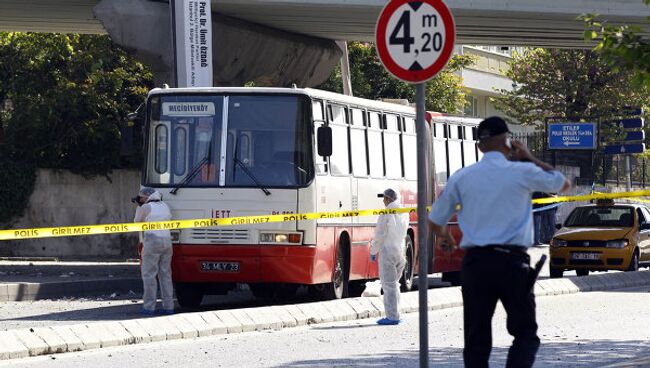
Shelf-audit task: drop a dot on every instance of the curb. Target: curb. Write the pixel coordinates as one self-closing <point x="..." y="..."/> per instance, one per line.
<point x="28" y="291"/>
<point x="23" y="343"/>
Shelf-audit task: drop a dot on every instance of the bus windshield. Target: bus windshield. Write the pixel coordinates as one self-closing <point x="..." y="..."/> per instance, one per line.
<point x="258" y="140"/>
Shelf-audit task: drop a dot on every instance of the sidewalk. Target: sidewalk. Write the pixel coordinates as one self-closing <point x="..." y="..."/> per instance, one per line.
<point x="69" y="338"/>
<point x="34" y="280"/>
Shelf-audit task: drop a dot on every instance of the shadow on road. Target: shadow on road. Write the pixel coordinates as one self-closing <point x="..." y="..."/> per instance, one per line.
<point x="581" y="353"/>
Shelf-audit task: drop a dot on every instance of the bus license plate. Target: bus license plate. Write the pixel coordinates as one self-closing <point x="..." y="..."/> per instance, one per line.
<point x="220" y="266"/>
<point x="585" y="256"/>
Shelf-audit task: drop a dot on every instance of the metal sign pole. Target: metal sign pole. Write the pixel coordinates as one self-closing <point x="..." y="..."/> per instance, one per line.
<point x="628" y="173"/>
<point x="423" y="273"/>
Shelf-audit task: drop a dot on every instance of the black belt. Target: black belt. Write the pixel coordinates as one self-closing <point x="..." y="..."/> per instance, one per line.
<point x="503" y="248"/>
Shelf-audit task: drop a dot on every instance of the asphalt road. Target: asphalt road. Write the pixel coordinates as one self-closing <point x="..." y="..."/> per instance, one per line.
<point x="592" y="329"/>
<point x="120" y="306"/>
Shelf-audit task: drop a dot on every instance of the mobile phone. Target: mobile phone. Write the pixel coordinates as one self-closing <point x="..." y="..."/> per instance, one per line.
<point x="508" y="143"/>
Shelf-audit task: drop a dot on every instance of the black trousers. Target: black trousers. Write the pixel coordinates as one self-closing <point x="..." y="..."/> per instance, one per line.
<point x="492" y="274"/>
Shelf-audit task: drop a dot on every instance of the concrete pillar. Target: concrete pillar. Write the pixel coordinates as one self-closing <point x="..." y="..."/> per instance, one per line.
<point x="243" y="51"/>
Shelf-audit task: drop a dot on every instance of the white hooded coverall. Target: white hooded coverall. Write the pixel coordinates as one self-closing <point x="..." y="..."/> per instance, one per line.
<point x="156" y="254"/>
<point x="388" y="242"/>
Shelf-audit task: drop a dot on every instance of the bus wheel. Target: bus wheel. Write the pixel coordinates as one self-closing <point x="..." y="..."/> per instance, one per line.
<point x="406" y="282"/>
<point x="189" y="295"/>
<point x="356" y="288"/>
<point x="337" y="288"/>
<point x="582" y="272"/>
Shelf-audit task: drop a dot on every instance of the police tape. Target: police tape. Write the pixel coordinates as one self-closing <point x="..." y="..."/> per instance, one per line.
<point x="588" y="197"/>
<point x="51" y="232"/>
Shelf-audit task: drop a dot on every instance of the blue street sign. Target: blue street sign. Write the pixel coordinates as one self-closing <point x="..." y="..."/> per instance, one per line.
<point x="637" y="135"/>
<point x="629" y="123"/>
<point x="620" y="149"/>
<point x="572" y="136"/>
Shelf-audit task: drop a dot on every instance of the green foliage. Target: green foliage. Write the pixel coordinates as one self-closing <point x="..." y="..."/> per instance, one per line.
<point x="623" y="46"/>
<point x="370" y="79"/>
<point x="63" y="100"/>
<point x="572" y="85"/>
<point x="69" y="96"/>
<point x="16" y="185"/>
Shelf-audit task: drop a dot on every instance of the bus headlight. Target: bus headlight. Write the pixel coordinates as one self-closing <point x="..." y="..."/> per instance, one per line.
<point x="277" y="237"/>
<point x="175" y="235"/>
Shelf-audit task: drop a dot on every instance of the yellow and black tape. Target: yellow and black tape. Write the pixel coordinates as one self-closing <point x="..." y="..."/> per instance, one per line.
<point x="50" y="232"/>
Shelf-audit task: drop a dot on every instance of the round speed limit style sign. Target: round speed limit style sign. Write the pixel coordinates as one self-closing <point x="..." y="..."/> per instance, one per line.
<point x="415" y="39"/>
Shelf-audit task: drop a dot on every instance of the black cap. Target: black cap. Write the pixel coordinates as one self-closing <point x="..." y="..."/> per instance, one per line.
<point x="492" y="126"/>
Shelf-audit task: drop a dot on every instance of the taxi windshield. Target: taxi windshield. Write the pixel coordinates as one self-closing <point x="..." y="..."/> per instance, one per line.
<point x="601" y="216"/>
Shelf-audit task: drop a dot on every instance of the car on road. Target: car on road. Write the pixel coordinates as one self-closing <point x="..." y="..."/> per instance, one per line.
<point x="602" y="236"/>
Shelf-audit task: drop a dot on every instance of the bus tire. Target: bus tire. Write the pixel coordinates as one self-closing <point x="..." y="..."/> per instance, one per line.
<point x="356" y="288"/>
<point x="338" y="287"/>
<point x="189" y="295"/>
<point x="406" y="281"/>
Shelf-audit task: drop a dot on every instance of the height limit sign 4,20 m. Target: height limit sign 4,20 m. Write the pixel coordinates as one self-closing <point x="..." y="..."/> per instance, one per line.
<point x="415" y="39"/>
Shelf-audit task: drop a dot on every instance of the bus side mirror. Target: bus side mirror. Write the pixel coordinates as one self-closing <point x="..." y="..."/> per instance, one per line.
<point x="324" y="141"/>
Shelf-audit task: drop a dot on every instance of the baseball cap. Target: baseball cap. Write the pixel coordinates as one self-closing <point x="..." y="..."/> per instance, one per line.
<point x="492" y="126"/>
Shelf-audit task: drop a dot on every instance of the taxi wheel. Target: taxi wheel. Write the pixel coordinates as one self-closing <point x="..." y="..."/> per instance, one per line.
<point x="582" y="272"/>
<point x="634" y="262"/>
<point x="556" y="273"/>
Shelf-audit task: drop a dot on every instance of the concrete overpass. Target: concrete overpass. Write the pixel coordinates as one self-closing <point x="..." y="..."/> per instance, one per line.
<point x="245" y="28"/>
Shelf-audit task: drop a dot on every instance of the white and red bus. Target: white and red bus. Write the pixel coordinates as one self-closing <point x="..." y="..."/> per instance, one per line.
<point x="227" y="152"/>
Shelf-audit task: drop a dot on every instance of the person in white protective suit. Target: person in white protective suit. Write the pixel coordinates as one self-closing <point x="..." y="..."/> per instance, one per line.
<point x="388" y="243"/>
<point x="156" y="253"/>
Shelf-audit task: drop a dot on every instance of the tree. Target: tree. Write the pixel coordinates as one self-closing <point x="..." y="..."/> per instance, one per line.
<point x="63" y="100"/>
<point x="621" y="46"/>
<point x="572" y="85"/>
<point x="370" y="79"/>
<point x="68" y="94"/>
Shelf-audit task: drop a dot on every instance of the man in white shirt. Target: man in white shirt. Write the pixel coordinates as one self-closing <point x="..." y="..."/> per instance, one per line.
<point x="496" y="220"/>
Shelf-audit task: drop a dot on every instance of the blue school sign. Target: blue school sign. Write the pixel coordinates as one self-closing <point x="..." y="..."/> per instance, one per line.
<point x="572" y="136"/>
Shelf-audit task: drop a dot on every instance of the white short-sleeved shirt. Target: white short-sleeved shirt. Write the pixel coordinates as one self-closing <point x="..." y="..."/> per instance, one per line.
<point x="495" y="200"/>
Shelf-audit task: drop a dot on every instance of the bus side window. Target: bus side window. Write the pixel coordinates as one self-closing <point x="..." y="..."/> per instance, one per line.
<point x="161" y="149"/>
<point x="391" y="148"/>
<point x="358" y="147"/>
<point x="375" y="151"/>
<point x="454" y="150"/>
<point x="409" y="149"/>
<point x="440" y="159"/>
<point x="317" y="110"/>
<point x="318" y="114"/>
<point x="180" y="141"/>
<point x="469" y="147"/>
<point x="340" y="159"/>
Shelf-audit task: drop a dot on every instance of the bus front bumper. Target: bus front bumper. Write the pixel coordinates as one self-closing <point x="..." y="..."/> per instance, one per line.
<point x="246" y="264"/>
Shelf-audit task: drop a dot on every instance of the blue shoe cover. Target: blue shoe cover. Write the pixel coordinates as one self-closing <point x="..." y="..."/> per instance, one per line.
<point x="386" y="322"/>
<point x="146" y="312"/>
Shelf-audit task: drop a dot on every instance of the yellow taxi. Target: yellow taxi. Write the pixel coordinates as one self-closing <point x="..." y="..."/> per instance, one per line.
<point x="602" y="236"/>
